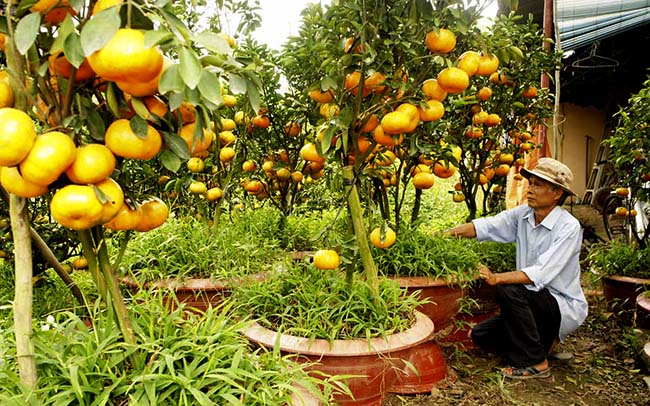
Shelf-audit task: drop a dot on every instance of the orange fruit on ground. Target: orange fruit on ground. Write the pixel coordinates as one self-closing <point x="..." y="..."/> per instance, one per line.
<point x="385" y="139"/>
<point x="76" y="207"/>
<point x="195" y="164"/>
<point x="530" y="92"/>
<point x="125" y="219"/>
<point x="453" y="80"/>
<point x="92" y="163"/>
<point x="484" y="94"/>
<point x="125" y="58"/>
<point x="389" y="237"/>
<point x="469" y="62"/>
<point x="60" y="65"/>
<point x="434" y="111"/>
<point x="114" y="199"/>
<point x="444" y="170"/>
<point x="326" y="259"/>
<point x="13" y="182"/>
<point x="395" y="122"/>
<point x="226" y="154"/>
<point x="17" y="136"/>
<point x="154" y="214"/>
<point x="50" y="156"/>
<point x="121" y="139"/>
<point x="104" y="4"/>
<point x="309" y="152"/>
<point x="198" y="144"/>
<point x="423" y="180"/>
<point x="432" y="90"/>
<point x="6" y="94"/>
<point x="213" y="194"/>
<point x="155" y="106"/>
<point x="198" y="188"/>
<point x="321" y="97"/>
<point x="441" y="42"/>
<point x="489" y="64"/>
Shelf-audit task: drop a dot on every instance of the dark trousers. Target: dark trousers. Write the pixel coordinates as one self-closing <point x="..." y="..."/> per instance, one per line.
<point x="526" y="328"/>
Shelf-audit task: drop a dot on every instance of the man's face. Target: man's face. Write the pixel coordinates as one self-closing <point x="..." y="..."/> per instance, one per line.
<point x="542" y="194"/>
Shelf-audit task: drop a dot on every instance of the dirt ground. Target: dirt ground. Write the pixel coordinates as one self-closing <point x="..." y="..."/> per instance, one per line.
<point x="605" y="369"/>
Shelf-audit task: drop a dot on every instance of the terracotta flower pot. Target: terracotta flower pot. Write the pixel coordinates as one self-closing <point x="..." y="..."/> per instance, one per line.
<point x="197" y="294"/>
<point x="621" y="293"/>
<point x="430" y="370"/>
<point x="643" y="310"/>
<point x="372" y="361"/>
<point x="443" y="297"/>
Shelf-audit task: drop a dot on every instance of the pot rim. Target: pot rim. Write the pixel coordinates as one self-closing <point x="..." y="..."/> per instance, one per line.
<point x="631" y="279"/>
<point x="420" y="332"/>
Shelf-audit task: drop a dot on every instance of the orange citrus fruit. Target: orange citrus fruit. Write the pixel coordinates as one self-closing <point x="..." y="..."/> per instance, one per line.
<point x="125" y="219"/>
<point x="326" y="259"/>
<point x="389" y="237"/>
<point x="441" y="42"/>
<point x="488" y="64"/>
<point x="60" y="65"/>
<point x="126" y="58"/>
<point x="469" y="62"/>
<point x="17" y="136"/>
<point x="321" y="97"/>
<point x="50" y="156"/>
<point x="453" y="80"/>
<point x="432" y="90"/>
<point x="309" y="152"/>
<point x="198" y="144"/>
<point x="434" y="110"/>
<point x="423" y="180"/>
<point x="13" y="182"/>
<point x="154" y="214"/>
<point x="104" y="4"/>
<point x="92" y="163"/>
<point x="121" y="139"/>
<point x="76" y="207"/>
<point x="114" y="199"/>
<point x="213" y="194"/>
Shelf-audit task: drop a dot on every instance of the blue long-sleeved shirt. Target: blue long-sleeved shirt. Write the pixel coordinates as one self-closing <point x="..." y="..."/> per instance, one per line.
<point x="548" y="253"/>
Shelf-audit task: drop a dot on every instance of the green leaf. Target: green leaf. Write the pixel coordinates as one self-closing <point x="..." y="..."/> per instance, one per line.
<point x="99" y="30"/>
<point x="153" y="38"/>
<point x="26" y="32"/>
<point x="170" y="160"/>
<point x="111" y="99"/>
<point x="177" y="145"/>
<point x="72" y="50"/>
<point x="253" y="96"/>
<point x="96" y="126"/>
<point x="65" y="29"/>
<point x="190" y="67"/>
<point x="210" y="88"/>
<point x="213" y="42"/>
<point x="139" y="126"/>
<point x="237" y="84"/>
<point x="140" y="108"/>
<point x="170" y="81"/>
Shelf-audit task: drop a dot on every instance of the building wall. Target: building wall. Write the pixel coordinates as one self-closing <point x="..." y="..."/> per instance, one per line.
<point x="581" y="129"/>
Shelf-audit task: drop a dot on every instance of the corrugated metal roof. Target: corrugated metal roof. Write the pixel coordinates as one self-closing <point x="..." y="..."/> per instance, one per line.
<point x="583" y="22"/>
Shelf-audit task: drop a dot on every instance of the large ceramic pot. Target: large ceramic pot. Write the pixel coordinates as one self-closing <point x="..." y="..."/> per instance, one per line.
<point x="375" y="362"/>
<point x="643" y="310"/>
<point x="621" y="293"/>
<point x="197" y="294"/>
<point x="443" y="297"/>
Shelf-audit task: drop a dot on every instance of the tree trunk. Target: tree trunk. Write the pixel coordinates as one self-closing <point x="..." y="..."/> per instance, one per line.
<point x="22" y="305"/>
<point x="354" y="204"/>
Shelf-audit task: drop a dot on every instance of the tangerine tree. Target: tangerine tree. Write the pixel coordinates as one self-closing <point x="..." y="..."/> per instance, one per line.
<point x="102" y="100"/>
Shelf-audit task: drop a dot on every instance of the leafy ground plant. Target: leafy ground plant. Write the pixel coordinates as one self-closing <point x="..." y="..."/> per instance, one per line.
<point x="308" y="302"/>
<point x="618" y="258"/>
<point x="180" y="359"/>
<point x="189" y="248"/>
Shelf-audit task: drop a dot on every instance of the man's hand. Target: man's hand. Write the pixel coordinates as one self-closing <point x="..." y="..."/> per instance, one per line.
<point x="489" y="276"/>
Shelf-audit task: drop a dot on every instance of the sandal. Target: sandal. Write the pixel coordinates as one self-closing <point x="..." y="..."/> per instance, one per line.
<point x="560" y="357"/>
<point x="526" y="373"/>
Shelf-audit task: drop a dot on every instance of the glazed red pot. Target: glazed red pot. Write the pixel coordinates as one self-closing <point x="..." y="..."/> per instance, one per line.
<point x="197" y="294"/>
<point x="443" y="297"/>
<point x="643" y="310"/>
<point x="430" y="369"/>
<point x="372" y="362"/>
<point x="621" y="293"/>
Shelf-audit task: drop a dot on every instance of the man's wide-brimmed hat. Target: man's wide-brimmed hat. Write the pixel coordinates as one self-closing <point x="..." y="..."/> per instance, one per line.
<point x="552" y="171"/>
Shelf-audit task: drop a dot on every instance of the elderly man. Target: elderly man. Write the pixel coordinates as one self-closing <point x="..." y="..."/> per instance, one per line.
<point x="542" y="301"/>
